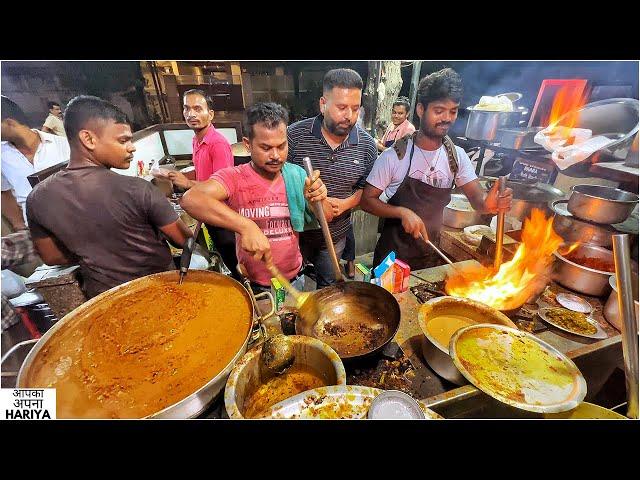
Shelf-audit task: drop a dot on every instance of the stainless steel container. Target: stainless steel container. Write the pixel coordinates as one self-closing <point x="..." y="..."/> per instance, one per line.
<point x="583" y="279"/>
<point x="199" y="400"/>
<point x="611" y="309"/>
<point x="600" y="204"/>
<point x="572" y="229"/>
<point x="518" y="138"/>
<point x="484" y="124"/>
<point x="459" y="213"/>
<point x="247" y="375"/>
<point x="436" y="355"/>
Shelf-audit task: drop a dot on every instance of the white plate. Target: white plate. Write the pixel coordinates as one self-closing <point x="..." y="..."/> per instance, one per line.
<point x="600" y="333"/>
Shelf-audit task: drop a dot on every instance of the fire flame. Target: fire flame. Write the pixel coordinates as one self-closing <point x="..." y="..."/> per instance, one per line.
<point x="517" y="279"/>
<point x="564" y="103"/>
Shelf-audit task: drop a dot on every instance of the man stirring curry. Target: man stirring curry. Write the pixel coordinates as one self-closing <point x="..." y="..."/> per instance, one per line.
<point x="264" y="201"/>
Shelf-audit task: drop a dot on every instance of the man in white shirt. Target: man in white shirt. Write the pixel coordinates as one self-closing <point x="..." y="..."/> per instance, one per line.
<point x="24" y="152"/>
<point x="54" y="124"/>
<point x="410" y="183"/>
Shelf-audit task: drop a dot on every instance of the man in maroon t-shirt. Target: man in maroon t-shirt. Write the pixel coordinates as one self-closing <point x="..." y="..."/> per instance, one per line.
<point x="211" y="152"/>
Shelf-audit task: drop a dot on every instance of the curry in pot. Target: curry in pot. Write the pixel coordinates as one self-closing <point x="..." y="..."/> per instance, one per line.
<point x="144" y="349"/>
<point x="297" y="379"/>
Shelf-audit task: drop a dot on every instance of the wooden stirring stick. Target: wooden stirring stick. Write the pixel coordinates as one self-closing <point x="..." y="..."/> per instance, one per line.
<point x="297" y="294"/>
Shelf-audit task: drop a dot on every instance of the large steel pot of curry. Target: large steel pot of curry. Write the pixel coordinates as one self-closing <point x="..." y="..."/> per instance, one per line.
<point x="149" y="348"/>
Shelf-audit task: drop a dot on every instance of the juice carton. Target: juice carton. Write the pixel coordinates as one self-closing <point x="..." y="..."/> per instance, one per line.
<point x="403" y="270"/>
<point x="279" y="293"/>
<point x="363" y="274"/>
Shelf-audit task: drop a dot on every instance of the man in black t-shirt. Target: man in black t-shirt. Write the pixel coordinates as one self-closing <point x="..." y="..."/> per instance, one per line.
<point x="110" y="224"/>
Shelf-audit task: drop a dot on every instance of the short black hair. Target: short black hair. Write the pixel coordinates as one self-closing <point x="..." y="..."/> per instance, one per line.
<point x="202" y="93"/>
<point x="404" y="101"/>
<point x="342" y="78"/>
<point x="50" y="105"/>
<point x="268" y="113"/>
<point x="83" y="108"/>
<point x="445" y="83"/>
<point x="11" y="110"/>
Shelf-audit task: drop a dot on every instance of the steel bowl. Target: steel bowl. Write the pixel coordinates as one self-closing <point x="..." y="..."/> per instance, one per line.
<point x="518" y="138"/>
<point x="484" y="124"/>
<point x="456" y="218"/>
<point x="572" y="229"/>
<point x="583" y="279"/>
<point x="247" y="375"/>
<point x="436" y="355"/>
<point x="611" y="310"/>
<point x="600" y="204"/>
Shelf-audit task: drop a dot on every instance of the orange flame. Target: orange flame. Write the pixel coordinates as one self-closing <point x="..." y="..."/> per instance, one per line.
<point x="517" y="279"/>
<point x="564" y="103"/>
<point x="569" y="249"/>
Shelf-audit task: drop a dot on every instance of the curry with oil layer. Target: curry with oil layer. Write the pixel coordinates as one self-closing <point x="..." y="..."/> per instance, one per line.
<point x="140" y="352"/>
<point x="297" y="379"/>
<point x="442" y="327"/>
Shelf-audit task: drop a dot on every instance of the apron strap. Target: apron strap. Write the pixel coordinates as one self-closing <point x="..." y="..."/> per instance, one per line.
<point x="400" y="146"/>
<point x="452" y="155"/>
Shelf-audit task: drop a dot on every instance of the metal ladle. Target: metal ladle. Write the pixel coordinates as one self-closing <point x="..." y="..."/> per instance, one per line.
<point x="277" y="350"/>
<point x="455" y="267"/>
<point x="502" y="183"/>
<point x="187" y="251"/>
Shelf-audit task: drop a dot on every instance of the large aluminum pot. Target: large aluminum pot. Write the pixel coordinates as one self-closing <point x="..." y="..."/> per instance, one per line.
<point x="484" y="124"/>
<point x="583" y="279"/>
<point x="600" y="204"/>
<point x="437" y="355"/>
<point x="572" y="229"/>
<point x="247" y="375"/>
<point x="459" y="213"/>
<point x="198" y="401"/>
<point x="611" y="311"/>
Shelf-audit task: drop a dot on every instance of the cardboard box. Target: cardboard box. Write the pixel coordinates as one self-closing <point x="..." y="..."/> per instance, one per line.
<point x="363" y="274"/>
<point x="384" y="265"/>
<point x="387" y="279"/>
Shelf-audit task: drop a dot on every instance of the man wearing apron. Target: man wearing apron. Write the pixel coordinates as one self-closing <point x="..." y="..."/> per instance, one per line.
<point x="416" y="176"/>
